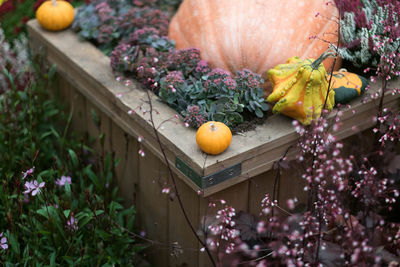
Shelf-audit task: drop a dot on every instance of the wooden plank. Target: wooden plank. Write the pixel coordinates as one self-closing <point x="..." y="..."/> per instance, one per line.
<point x="152" y="206"/>
<point x="179" y="230"/>
<point x="125" y="150"/>
<point x="94" y="119"/>
<point x="78" y="107"/>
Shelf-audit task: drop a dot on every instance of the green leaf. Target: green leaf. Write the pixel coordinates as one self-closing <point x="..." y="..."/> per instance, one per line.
<point x="99" y="212"/>
<point x="114" y="206"/>
<point x="13" y="243"/>
<point x="95" y="117"/>
<point x="68" y="190"/>
<point x="66" y="213"/>
<point x="43" y="212"/>
<point x="85" y="221"/>
<point x="53" y="259"/>
<point x="259" y="113"/>
<point x="54" y="132"/>
<point x="74" y="158"/>
<point x="52" y="71"/>
<point x="264" y="106"/>
<point x="92" y="176"/>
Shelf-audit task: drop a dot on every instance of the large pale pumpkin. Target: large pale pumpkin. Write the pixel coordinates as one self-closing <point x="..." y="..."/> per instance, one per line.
<point x="254" y="34"/>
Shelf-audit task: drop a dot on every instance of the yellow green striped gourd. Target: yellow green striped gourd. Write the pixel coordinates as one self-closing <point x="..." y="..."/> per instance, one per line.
<point x="347" y="86"/>
<point x="300" y="88"/>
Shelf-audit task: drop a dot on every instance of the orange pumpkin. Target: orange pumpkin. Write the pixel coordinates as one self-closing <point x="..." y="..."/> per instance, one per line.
<point x="213" y="137"/>
<point x="254" y="34"/>
<point x="55" y="15"/>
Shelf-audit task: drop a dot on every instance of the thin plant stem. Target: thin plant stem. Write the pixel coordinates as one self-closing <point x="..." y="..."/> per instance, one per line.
<point x="171" y="174"/>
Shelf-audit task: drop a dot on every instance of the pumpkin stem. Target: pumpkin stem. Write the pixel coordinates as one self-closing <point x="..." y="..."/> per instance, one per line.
<point x="322" y="57"/>
<point x="213" y="127"/>
<point x="54" y="2"/>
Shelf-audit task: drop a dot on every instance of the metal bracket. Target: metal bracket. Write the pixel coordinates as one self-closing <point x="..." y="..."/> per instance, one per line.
<point x="210" y="180"/>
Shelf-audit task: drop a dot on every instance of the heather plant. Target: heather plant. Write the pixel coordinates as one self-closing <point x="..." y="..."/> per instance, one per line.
<point x="345" y="220"/>
<point x="58" y="202"/>
<point x="364" y="25"/>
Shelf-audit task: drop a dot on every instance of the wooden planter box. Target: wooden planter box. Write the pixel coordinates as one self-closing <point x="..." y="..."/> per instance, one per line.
<point x="242" y="175"/>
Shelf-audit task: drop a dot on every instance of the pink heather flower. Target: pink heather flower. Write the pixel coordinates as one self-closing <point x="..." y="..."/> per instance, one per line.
<point x="63" y="180"/>
<point x="166" y="190"/>
<point x="72" y="223"/>
<point x="3" y="242"/>
<point x="33" y="188"/>
<point x="141" y="152"/>
<point x="28" y="172"/>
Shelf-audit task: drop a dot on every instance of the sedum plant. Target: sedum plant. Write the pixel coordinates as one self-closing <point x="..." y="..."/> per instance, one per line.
<point x="181" y="79"/>
<point x="106" y="23"/>
<point x="214" y="95"/>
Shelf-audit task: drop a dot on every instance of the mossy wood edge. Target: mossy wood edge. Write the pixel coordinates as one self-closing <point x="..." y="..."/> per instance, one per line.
<point x="89" y="70"/>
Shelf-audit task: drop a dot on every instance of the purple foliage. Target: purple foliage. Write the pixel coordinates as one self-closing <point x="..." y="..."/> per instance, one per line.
<point x="150" y="66"/>
<point x="123" y="58"/>
<point x="246" y="78"/>
<point x="137" y="18"/>
<point x="184" y="59"/>
<point x="203" y="67"/>
<point x="194" y="116"/>
<point x="219" y="79"/>
<point x="142" y="34"/>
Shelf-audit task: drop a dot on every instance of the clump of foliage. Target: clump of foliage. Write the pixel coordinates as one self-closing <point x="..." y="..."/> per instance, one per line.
<point x="364" y="24"/>
<point x="184" y="81"/>
<point x="57" y="205"/>
<point x="106" y="23"/>
<point x="190" y="84"/>
<point x="14" y="14"/>
<point x="181" y="79"/>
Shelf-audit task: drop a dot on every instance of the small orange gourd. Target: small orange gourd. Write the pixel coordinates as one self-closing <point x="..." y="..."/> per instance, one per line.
<point x="213" y="137"/>
<point x="55" y="15"/>
<point x="254" y="34"/>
